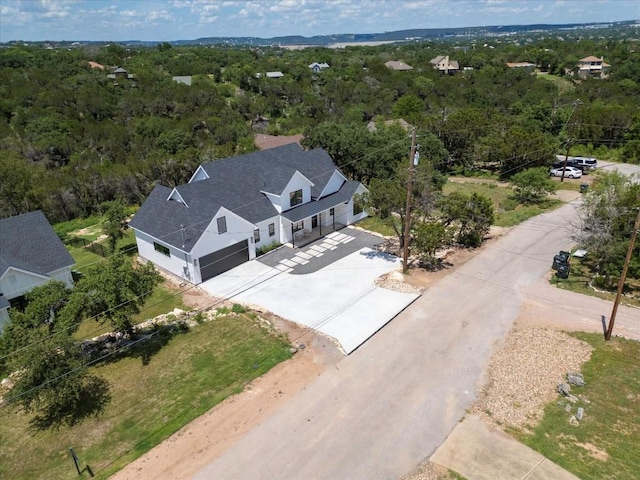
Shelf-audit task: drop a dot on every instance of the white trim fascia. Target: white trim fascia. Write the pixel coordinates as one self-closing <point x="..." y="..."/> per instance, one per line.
<point x="21" y="270"/>
<point x="181" y="200"/>
<point x="199" y="169"/>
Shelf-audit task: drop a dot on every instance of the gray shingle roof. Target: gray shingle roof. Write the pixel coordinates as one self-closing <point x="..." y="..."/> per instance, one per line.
<point x="28" y="242"/>
<point x="235" y="183"/>
<point x="312" y="208"/>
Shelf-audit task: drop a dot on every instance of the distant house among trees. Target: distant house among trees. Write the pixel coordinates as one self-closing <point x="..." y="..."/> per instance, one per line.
<point x="593" y="67"/>
<point x="398" y="66"/>
<point x="184" y="79"/>
<point x="444" y="64"/>
<point x="529" y="67"/>
<point x="121" y="74"/>
<point x="318" y="67"/>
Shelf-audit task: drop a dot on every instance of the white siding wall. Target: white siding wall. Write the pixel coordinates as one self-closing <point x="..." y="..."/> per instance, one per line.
<point x="17" y="282"/>
<point x="238" y="229"/>
<point x="4" y="317"/>
<point x="63" y="275"/>
<point x="265" y="239"/>
<point x="349" y="213"/>
<point x="297" y="182"/>
<point x="175" y="263"/>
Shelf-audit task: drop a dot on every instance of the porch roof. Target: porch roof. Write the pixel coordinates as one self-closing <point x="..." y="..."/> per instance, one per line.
<point x="309" y="209"/>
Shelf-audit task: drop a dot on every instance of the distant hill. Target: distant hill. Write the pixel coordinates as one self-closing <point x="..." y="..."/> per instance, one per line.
<point x="399" y="35"/>
<point x="416" y="34"/>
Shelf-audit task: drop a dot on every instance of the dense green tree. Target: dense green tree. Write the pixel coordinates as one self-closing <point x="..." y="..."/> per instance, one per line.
<point x="471" y="216"/>
<point x="532" y="185"/>
<point x="115" y="221"/>
<point x="113" y="291"/>
<point x="55" y="385"/>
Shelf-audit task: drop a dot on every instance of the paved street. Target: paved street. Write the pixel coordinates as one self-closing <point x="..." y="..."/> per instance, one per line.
<point x="393" y="401"/>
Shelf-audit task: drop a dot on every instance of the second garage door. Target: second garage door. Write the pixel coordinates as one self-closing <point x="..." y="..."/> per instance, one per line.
<point x="217" y="262"/>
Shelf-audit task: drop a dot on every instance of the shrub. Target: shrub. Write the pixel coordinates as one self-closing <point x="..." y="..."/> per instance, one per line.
<point x="237" y="308"/>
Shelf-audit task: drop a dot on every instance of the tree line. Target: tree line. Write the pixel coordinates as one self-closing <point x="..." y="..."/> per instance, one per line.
<point x="72" y="138"/>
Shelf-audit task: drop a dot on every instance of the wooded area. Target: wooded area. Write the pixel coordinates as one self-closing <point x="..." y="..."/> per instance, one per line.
<point x="71" y="138"/>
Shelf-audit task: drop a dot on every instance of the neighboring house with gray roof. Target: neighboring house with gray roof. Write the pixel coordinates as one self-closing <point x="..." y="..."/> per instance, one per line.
<point x="234" y="206"/>
<point x="31" y="254"/>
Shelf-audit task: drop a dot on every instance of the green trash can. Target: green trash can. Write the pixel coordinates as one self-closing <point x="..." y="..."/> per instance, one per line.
<point x="584" y="187"/>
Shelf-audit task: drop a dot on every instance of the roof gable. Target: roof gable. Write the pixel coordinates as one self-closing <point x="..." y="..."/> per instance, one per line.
<point x="29" y="243"/>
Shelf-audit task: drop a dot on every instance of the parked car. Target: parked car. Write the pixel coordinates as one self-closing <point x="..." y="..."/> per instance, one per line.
<point x="569" y="172"/>
<point x="571" y="162"/>
<point x="585" y="163"/>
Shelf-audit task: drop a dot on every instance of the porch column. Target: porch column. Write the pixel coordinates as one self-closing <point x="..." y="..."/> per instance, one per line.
<point x="293" y="236"/>
<point x="320" y="222"/>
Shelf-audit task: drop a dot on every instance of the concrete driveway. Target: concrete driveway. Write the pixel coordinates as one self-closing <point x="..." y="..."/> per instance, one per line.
<point x="340" y="299"/>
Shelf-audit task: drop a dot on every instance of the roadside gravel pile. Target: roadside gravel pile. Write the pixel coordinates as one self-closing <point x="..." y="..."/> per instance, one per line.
<point x="395" y="281"/>
<point x="523" y="375"/>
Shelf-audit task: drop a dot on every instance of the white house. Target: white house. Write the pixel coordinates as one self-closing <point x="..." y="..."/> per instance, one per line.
<point x="318" y="67"/>
<point x="31" y="254"/>
<point x="443" y="64"/>
<point x="234" y="206"/>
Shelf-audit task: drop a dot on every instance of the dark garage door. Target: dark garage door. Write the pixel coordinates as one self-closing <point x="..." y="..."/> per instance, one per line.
<point x="223" y="260"/>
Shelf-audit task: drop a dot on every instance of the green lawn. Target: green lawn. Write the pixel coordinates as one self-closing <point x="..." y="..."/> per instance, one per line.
<point x="508" y="211"/>
<point x="186" y="377"/>
<point x="605" y="444"/>
<point x="378" y="225"/>
<point x="582" y="273"/>
<point x="564" y="85"/>
<point x="163" y="300"/>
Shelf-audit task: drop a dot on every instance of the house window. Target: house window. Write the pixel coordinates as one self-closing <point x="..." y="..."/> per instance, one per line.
<point x="295" y="198"/>
<point x="297" y="226"/>
<point x="222" y="225"/>
<point x="162" y="249"/>
<point x="256" y="235"/>
<point x="357" y="205"/>
<point x="332" y="212"/>
<point x="272" y="229"/>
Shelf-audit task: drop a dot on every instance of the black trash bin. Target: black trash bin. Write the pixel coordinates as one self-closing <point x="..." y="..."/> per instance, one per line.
<point x="584" y="187"/>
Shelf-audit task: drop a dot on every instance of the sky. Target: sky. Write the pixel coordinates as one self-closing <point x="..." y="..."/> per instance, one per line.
<point x="168" y="20"/>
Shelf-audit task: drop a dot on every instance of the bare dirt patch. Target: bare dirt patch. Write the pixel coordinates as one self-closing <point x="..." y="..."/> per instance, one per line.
<point x="594" y="451"/>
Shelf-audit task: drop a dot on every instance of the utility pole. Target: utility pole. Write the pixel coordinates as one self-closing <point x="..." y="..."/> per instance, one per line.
<point x="566" y="157"/>
<point x="623" y="277"/>
<point x="413" y="160"/>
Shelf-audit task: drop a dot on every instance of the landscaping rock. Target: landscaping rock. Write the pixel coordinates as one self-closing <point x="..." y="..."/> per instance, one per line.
<point x="564" y="389"/>
<point x="567" y="408"/>
<point x="580" y="413"/>
<point x="574" y="421"/>
<point x="7" y="383"/>
<point x="576" y="379"/>
<point x="293" y="350"/>
<point x="572" y="399"/>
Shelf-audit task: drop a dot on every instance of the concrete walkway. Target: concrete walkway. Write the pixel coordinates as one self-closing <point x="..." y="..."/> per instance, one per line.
<point x="479" y="452"/>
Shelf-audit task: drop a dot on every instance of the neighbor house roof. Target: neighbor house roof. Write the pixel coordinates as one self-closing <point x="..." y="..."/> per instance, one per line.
<point x="591" y="58"/>
<point x="186" y="79"/>
<point x="519" y="64"/>
<point x="396" y="65"/>
<point x="237" y="184"/>
<point x="29" y="243"/>
<point x="264" y="142"/>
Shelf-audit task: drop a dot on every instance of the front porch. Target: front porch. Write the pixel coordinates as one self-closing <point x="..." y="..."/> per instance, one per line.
<point x="305" y="236"/>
